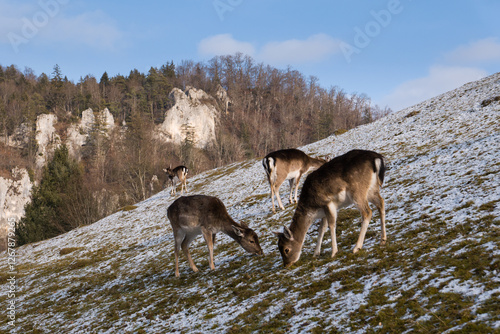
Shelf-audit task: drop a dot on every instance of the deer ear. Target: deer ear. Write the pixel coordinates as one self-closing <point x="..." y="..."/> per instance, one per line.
<point x="238" y="231"/>
<point x="244" y="225"/>
<point x="287" y="233"/>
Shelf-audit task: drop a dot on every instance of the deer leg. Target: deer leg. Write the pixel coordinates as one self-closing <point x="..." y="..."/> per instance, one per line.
<point x="277" y="186"/>
<point x="209" y="239"/>
<point x="272" y="191"/>
<point x="291" y="190"/>
<point x="331" y="216"/>
<point x="297" y="187"/>
<point x="183" y="186"/>
<point x="366" y="214"/>
<point x="185" y="247"/>
<point x="177" y="246"/>
<point x="321" y="232"/>
<point x="379" y="203"/>
<point x="172" y="187"/>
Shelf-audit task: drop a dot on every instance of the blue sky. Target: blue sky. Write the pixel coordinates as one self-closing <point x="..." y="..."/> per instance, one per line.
<point x="398" y="52"/>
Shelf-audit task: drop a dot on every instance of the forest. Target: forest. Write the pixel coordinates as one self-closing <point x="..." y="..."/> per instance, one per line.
<point x="270" y="109"/>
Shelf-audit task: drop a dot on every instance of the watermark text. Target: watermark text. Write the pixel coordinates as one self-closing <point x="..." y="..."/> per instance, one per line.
<point x="12" y="271"/>
<point x="32" y="26"/>
<point x="364" y="35"/>
<point x="223" y="6"/>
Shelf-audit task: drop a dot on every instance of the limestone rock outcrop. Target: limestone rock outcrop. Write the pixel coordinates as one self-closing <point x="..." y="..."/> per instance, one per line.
<point x="193" y="118"/>
<point x="47" y="138"/>
<point x="15" y="193"/>
<point x="78" y="134"/>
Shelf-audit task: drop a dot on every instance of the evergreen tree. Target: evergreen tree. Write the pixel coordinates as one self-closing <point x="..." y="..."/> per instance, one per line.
<point x="103" y="84"/>
<point x="45" y="214"/>
<point x="56" y="93"/>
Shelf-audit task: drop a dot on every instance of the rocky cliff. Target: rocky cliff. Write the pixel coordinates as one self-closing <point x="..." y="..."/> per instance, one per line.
<point x="193" y="118"/>
<point x="47" y="138"/>
<point x="78" y="134"/>
<point x="14" y="194"/>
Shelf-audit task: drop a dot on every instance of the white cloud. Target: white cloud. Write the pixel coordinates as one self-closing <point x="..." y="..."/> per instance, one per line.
<point x="481" y="51"/>
<point x="93" y="29"/>
<point x="224" y="44"/>
<point x="293" y="51"/>
<point x="290" y="52"/>
<point x="44" y="23"/>
<point x="439" y="80"/>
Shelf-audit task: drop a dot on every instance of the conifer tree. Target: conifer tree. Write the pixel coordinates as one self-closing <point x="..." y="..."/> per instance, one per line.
<point x="44" y="217"/>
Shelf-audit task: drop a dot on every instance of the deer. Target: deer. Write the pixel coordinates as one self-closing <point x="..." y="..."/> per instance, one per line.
<point x="179" y="173"/>
<point x="289" y="164"/>
<point x="352" y="178"/>
<point x="191" y="216"/>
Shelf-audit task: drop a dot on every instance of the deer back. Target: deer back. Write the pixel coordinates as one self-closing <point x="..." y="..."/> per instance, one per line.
<point x="179" y="172"/>
<point x="197" y="212"/>
<point x="290" y="160"/>
<point x="193" y="212"/>
<point x="342" y="178"/>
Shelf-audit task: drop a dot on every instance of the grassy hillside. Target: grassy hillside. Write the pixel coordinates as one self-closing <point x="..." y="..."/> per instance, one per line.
<point x="439" y="271"/>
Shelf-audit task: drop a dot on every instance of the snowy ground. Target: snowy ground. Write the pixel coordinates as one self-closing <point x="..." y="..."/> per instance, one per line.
<point x="439" y="271"/>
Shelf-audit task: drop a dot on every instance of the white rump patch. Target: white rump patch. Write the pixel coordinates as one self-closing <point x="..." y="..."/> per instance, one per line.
<point x="378" y="163"/>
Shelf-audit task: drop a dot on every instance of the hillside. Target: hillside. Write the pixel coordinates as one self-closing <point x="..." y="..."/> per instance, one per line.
<point x="439" y="271"/>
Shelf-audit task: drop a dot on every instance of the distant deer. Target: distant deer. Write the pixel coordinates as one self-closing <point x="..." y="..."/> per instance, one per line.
<point x="354" y="177"/>
<point x="178" y="174"/>
<point x="194" y="215"/>
<point x="290" y="165"/>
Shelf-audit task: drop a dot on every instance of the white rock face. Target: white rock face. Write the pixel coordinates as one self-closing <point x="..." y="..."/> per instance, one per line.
<point x="193" y="117"/>
<point x="14" y="194"/>
<point x="46" y="138"/>
<point x="107" y="119"/>
<point x="79" y="133"/>
<point x="222" y="96"/>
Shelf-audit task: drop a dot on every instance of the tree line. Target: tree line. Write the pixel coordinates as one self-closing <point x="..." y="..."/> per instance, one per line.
<point x="270" y="109"/>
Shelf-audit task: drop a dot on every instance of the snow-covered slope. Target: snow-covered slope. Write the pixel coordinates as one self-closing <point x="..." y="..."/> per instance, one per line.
<point x="439" y="271"/>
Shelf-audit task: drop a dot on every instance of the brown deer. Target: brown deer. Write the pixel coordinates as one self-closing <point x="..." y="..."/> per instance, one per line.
<point x="354" y="177"/>
<point x="289" y="164"/>
<point x="178" y="174"/>
<point x="194" y="215"/>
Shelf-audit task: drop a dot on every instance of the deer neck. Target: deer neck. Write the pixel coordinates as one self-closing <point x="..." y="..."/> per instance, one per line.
<point x="301" y="221"/>
<point x="315" y="163"/>
<point x="228" y="230"/>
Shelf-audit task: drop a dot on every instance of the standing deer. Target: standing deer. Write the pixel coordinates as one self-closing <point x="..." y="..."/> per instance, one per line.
<point x="290" y="165"/>
<point x="178" y="174"/>
<point x="354" y="177"/>
<point x="194" y="215"/>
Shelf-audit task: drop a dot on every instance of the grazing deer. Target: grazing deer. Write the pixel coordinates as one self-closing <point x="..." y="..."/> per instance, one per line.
<point x="290" y="165"/>
<point x="354" y="177"/>
<point x="179" y="173"/>
<point x="194" y="215"/>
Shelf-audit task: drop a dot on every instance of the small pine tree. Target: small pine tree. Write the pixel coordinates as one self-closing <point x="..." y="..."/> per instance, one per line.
<point x="44" y="215"/>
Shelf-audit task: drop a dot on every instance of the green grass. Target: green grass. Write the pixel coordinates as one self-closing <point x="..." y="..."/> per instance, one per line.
<point x="128" y="208"/>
